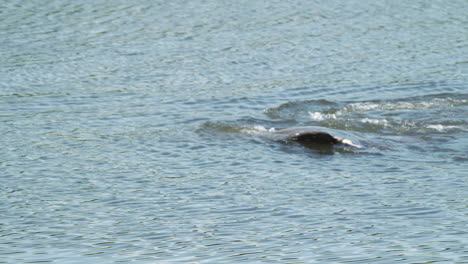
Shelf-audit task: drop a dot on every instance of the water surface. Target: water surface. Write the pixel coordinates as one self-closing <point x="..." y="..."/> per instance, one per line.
<point x="134" y="132"/>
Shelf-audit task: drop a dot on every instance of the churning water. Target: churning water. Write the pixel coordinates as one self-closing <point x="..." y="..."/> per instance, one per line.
<point x="137" y="131"/>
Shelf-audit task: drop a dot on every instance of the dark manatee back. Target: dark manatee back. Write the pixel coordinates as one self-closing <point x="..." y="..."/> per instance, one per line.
<point x="313" y="136"/>
<point x="307" y="135"/>
<point x="317" y="137"/>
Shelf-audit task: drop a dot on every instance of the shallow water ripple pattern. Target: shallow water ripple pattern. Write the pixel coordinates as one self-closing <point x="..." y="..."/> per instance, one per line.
<point x="137" y="131"/>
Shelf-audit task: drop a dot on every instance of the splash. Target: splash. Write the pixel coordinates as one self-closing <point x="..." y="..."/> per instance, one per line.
<point x="317" y="116"/>
<point x="442" y="128"/>
<point x="380" y="122"/>
<point x="257" y="130"/>
<point x="404" y="105"/>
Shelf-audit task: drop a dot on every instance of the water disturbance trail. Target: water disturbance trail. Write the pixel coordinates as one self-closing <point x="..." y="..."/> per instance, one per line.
<point x="144" y="131"/>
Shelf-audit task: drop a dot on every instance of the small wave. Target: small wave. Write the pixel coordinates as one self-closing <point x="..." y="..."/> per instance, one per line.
<point x="296" y="110"/>
<point x="382" y="122"/>
<point x="317" y="116"/>
<point x="404" y="105"/>
<point x="257" y="130"/>
<point x="359" y="107"/>
<point x="442" y="128"/>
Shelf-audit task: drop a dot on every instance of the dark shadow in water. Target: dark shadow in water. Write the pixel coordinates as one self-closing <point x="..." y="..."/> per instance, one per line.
<point x="308" y="147"/>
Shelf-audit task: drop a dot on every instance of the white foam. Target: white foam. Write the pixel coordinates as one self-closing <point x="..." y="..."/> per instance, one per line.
<point x="358" y="107"/>
<point x="434" y="103"/>
<point x="368" y="106"/>
<point x="382" y="122"/>
<point x="349" y="142"/>
<point x="442" y="128"/>
<point x="317" y="116"/>
<point x="257" y="130"/>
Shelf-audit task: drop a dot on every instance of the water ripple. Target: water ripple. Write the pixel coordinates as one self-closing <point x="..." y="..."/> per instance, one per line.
<point x="135" y="131"/>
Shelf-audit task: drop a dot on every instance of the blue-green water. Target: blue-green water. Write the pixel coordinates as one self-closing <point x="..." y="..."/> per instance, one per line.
<point x="134" y="131"/>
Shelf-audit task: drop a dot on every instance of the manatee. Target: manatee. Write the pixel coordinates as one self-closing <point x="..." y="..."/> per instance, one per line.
<point x="312" y="135"/>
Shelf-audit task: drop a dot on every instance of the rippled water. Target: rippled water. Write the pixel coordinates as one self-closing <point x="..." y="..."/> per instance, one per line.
<point x="139" y="131"/>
